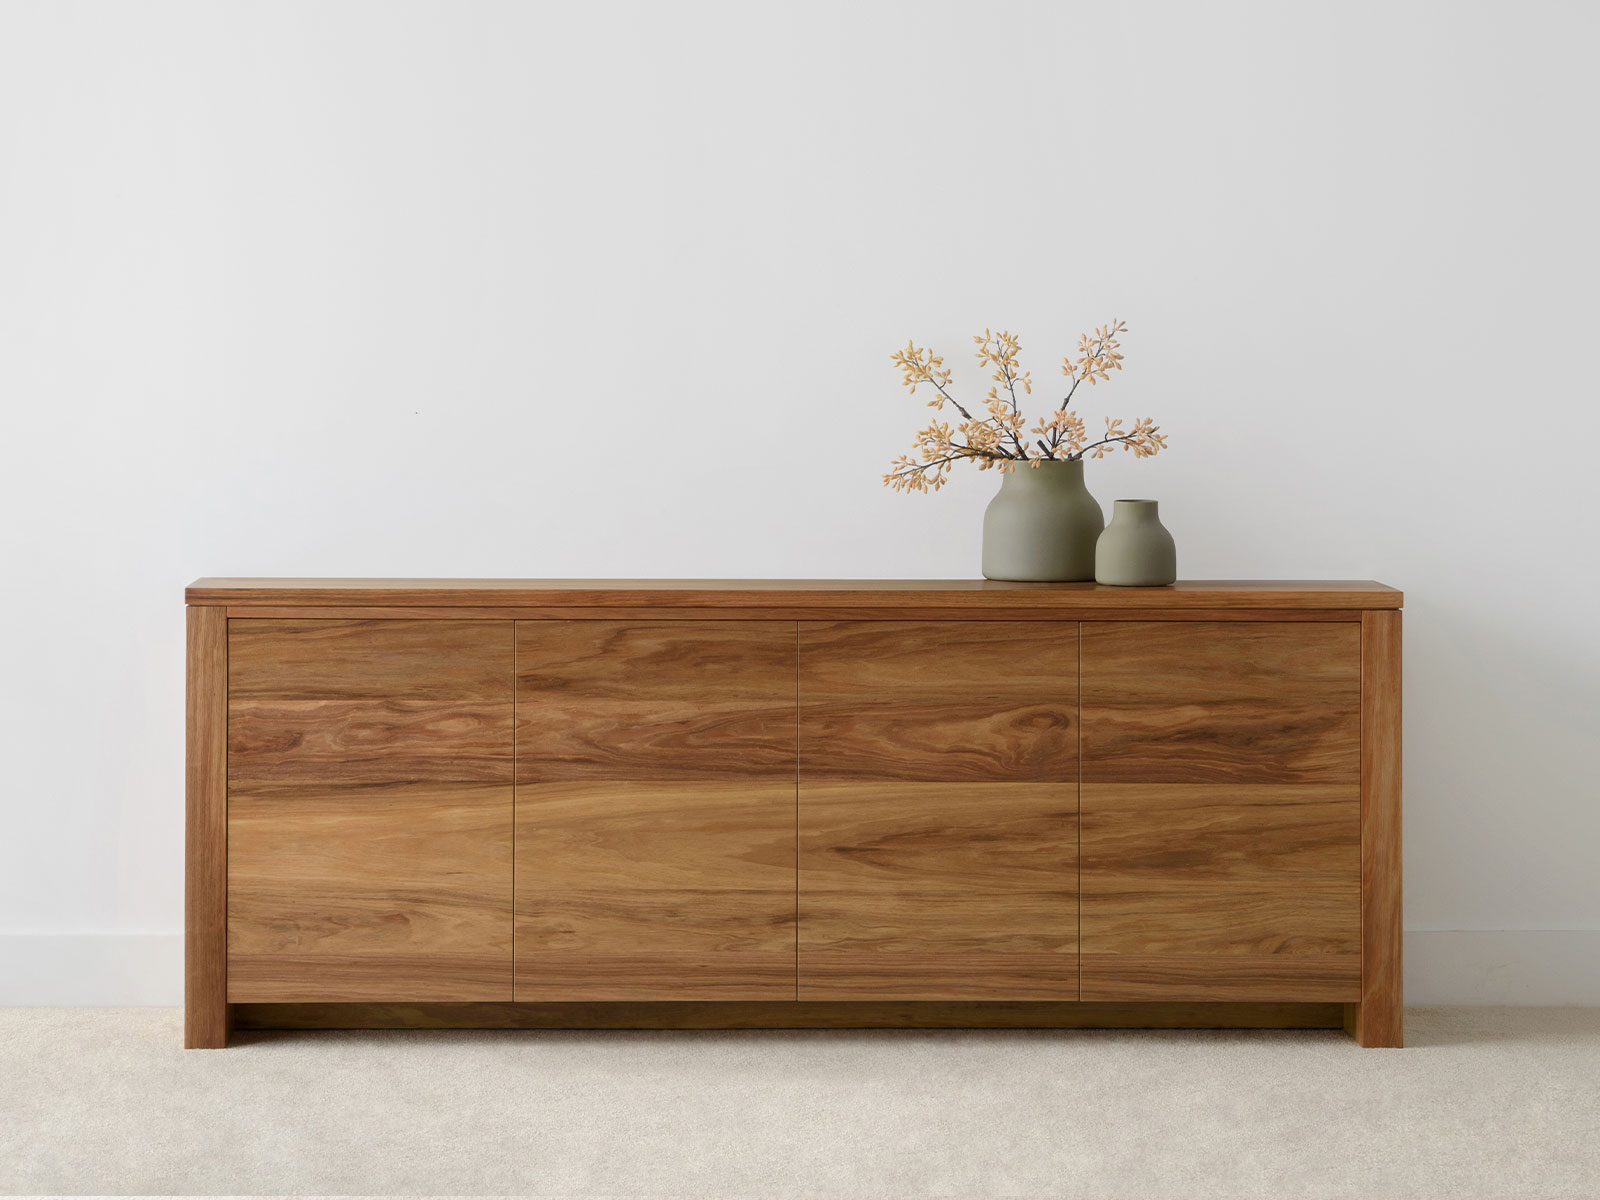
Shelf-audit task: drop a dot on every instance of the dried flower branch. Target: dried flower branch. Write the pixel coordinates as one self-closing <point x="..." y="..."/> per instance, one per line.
<point x="996" y="440"/>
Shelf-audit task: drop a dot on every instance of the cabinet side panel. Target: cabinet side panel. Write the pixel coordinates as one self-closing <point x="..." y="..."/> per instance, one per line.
<point x="1378" y="1019"/>
<point x="205" y="893"/>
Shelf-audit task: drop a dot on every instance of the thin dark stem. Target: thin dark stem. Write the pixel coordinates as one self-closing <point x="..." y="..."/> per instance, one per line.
<point x="1072" y="391"/>
<point x="951" y="398"/>
<point x="1106" y="441"/>
<point x="1096" y="352"/>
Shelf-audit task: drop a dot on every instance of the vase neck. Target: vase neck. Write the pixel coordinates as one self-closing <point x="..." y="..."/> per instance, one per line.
<point x="1137" y="511"/>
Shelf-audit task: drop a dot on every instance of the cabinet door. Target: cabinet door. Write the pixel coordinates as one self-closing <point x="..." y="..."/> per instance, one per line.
<point x="938" y="810"/>
<point x="1221" y="811"/>
<point x="655" y="810"/>
<point x="369" y="810"/>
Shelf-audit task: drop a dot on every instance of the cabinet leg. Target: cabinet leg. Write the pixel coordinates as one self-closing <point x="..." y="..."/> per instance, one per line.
<point x="1377" y="1019"/>
<point x="207" y="1029"/>
<point x="205" y="890"/>
<point x="1374" y="1024"/>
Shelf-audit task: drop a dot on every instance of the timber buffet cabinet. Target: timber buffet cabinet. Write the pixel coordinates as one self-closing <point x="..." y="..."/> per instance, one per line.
<point x="777" y="804"/>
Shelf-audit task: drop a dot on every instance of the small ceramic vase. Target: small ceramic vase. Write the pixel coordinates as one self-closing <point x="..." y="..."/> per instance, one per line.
<point x="1135" y="550"/>
<point x="1042" y="525"/>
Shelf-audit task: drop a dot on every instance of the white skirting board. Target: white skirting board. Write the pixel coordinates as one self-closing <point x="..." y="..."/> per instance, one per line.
<point x="1455" y="966"/>
<point x="91" y="970"/>
<point x="1502" y="966"/>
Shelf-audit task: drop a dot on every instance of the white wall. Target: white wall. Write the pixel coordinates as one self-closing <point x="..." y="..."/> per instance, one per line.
<point x="610" y="289"/>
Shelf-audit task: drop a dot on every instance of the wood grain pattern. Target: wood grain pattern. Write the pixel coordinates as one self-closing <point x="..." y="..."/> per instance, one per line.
<point x="938" y="811"/>
<point x="1220" y="892"/>
<point x="1212" y="977"/>
<point x="369" y="702"/>
<point x="370" y="818"/>
<point x="1240" y="804"/>
<point x="791" y="1015"/>
<point x="655" y="810"/>
<point x="385" y="892"/>
<point x="1378" y="1020"/>
<point x="656" y="890"/>
<point x="1211" y="868"/>
<point x="344" y="659"/>
<point x="353" y="978"/>
<point x="1220" y="703"/>
<point x="891" y="594"/>
<point x="725" y="975"/>
<point x="911" y="612"/>
<point x="990" y="974"/>
<point x="369" y="741"/>
<point x="205" y="893"/>
<point x="655" y="701"/>
<point x="1220" y="812"/>
<point x="939" y="701"/>
<point x="938" y="891"/>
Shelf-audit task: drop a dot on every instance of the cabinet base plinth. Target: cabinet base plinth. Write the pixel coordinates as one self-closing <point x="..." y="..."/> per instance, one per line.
<point x="790" y="1015"/>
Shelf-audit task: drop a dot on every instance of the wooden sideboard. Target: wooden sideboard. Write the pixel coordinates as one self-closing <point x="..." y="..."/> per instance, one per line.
<point x="610" y="803"/>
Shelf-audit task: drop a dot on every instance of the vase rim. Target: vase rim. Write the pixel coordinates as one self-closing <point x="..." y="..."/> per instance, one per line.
<point x="1043" y="462"/>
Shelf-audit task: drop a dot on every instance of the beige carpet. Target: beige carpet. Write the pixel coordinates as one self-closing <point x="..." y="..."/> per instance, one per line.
<point x="1486" y="1102"/>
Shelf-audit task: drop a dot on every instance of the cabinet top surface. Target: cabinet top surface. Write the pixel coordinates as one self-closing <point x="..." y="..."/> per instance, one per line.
<point x="955" y="594"/>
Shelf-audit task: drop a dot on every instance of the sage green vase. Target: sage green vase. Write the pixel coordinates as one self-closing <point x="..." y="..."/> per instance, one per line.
<point x="1042" y="525"/>
<point x="1136" y="550"/>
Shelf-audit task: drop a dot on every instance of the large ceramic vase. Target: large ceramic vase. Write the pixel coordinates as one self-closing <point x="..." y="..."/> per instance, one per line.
<point x="1042" y="525"/>
<point x="1136" y="550"/>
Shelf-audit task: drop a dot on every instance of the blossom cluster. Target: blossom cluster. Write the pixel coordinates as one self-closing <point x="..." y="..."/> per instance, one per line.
<point x="998" y="439"/>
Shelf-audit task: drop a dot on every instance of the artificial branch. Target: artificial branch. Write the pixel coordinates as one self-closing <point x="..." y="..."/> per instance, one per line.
<point x="1098" y="356"/>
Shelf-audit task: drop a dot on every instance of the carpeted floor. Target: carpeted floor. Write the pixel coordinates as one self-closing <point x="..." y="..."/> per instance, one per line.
<point x="1484" y="1102"/>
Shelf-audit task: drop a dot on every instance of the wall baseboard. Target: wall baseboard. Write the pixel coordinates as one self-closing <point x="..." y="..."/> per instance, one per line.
<point x="1502" y="966"/>
<point x="91" y="970"/>
<point x="1443" y="966"/>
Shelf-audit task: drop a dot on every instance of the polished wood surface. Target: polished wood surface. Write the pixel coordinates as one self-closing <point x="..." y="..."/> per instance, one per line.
<point x="363" y="702"/>
<point x="1221" y="703"/>
<point x="792" y="804"/>
<point x="205" y="891"/>
<point x="1211" y="976"/>
<point x="370" y="811"/>
<point x="769" y="612"/>
<point x="1379" y="1017"/>
<point x="1220" y="812"/>
<point x="368" y="893"/>
<point x="631" y="890"/>
<point x="346" y="659"/>
<point x="1220" y="869"/>
<point x="894" y="594"/>
<point x="655" y="811"/>
<point x="938" y="891"/>
<point x="791" y="1015"/>
<point x="631" y="700"/>
<point x="938" y="811"/>
<point x="981" y="702"/>
<point x="368" y="741"/>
